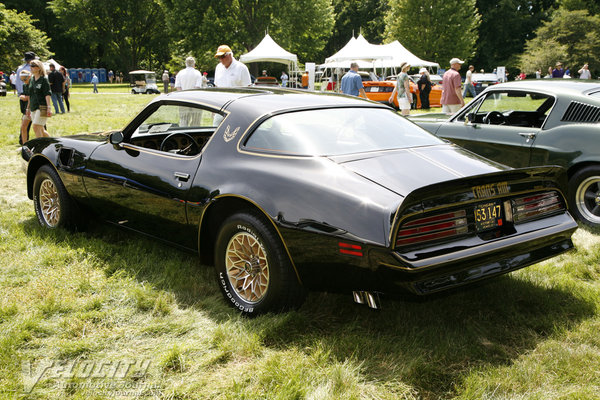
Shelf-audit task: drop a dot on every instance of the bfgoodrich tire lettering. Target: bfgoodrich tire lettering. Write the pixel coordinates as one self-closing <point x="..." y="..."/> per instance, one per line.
<point x="53" y="205"/>
<point x="584" y="195"/>
<point x="253" y="270"/>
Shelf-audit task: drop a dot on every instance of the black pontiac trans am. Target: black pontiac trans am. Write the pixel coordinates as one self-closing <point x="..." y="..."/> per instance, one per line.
<point x="285" y="191"/>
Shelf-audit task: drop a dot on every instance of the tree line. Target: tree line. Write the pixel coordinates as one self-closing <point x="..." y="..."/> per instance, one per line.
<point x="157" y="34"/>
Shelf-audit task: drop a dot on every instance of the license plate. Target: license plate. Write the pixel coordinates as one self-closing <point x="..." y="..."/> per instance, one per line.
<point x="484" y="85"/>
<point x="374" y="89"/>
<point x="488" y="216"/>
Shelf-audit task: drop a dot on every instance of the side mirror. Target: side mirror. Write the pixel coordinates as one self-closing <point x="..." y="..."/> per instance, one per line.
<point x="116" y="138"/>
<point x="470" y="118"/>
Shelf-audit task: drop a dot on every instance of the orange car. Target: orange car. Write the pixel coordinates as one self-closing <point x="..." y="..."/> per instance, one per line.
<point x="381" y="91"/>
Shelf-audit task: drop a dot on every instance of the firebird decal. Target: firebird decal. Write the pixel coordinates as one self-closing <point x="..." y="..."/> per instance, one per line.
<point x="229" y="136"/>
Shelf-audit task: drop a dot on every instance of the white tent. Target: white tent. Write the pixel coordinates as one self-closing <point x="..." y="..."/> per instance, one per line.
<point x="51" y="61"/>
<point x="369" y="55"/>
<point x="359" y="49"/>
<point x="400" y="54"/>
<point x="269" y="51"/>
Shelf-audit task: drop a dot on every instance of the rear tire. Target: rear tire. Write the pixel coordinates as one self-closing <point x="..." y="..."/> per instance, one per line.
<point x="53" y="206"/>
<point x="584" y="195"/>
<point x="253" y="269"/>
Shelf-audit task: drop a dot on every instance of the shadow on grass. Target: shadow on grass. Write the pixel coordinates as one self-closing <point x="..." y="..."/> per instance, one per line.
<point x="427" y="343"/>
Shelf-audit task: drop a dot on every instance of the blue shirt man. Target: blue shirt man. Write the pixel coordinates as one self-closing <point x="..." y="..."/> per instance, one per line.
<point x="352" y="82"/>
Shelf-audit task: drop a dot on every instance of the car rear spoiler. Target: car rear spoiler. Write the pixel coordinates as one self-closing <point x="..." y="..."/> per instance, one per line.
<point x="478" y="188"/>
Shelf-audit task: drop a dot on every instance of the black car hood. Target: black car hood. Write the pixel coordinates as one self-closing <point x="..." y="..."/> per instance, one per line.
<point x="405" y="170"/>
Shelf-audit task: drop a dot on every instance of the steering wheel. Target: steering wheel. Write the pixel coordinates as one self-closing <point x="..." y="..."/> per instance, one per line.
<point x="189" y="145"/>
<point x="493" y="117"/>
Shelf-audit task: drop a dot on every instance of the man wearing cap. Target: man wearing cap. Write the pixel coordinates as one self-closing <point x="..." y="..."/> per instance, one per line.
<point x="558" y="72"/>
<point x="28" y="57"/>
<point x="452" y="99"/>
<point x="230" y="72"/>
<point x="352" y="82"/>
<point x="188" y="78"/>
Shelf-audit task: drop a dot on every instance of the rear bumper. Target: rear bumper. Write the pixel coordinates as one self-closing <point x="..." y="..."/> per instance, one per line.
<point x="471" y="264"/>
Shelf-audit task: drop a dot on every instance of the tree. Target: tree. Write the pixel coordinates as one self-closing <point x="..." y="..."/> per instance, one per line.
<point x="120" y="34"/>
<point x="592" y="6"/>
<point x="18" y="35"/>
<point x="505" y="27"/>
<point x="435" y="30"/>
<point x="45" y="20"/>
<point x="572" y="37"/>
<point x="300" y="26"/>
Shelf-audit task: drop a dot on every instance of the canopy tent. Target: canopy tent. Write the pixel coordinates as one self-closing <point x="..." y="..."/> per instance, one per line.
<point x="368" y="55"/>
<point x="51" y="61"/>
<point x="269" y="51"/>
<point x="360" y="49"/>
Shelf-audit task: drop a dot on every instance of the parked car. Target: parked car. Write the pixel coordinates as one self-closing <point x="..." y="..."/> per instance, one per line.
<point x="535" y="122"/>
<point x="285" y="191"/>
<point x="266" y="81"/>
<point x="482" y="80"/>
<point x="381" y="91"/>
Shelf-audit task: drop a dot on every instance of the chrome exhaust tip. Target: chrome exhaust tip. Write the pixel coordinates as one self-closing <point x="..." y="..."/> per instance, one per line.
<point x="369" y="298"/>
<point x="358" y="297"/>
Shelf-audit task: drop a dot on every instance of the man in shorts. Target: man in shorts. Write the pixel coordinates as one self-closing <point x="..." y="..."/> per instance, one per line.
<point x="452" y="99"/>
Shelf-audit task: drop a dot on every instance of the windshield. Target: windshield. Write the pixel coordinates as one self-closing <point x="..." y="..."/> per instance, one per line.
<point x="337" y="131"/>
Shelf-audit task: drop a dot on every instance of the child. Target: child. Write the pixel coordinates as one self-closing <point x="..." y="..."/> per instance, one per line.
<point x="25" y="77"/>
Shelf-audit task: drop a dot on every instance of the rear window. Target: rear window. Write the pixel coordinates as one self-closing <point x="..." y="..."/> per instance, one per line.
<point x="337" y="131"/>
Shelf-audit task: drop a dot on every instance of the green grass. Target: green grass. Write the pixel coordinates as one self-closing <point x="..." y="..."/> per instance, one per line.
<point x="108" y="295"/>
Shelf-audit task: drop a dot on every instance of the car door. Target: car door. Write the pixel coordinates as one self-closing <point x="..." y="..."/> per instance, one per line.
<point x="501" y="126"/>
<point x="142" y="182"/>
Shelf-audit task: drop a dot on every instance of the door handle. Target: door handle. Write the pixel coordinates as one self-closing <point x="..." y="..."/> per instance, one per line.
<point x="181" y="176"/>
<point x="528" y="135"/>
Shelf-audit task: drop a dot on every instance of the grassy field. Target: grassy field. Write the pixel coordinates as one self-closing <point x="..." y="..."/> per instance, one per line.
<point x="106" y="314"/>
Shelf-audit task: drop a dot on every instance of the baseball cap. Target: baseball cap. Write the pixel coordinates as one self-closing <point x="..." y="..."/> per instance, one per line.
<point x="30" y="55"/>
<point x="222" y="50"/>
<point x="456" y="61"/>
<point x="24" y="73"/>
<point x="422" y="70"/>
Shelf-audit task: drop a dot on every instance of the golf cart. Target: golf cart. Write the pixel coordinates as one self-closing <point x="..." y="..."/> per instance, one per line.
<point x="143" y="82"/>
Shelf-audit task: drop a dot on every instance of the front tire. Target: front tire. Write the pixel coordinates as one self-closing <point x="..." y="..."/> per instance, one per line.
<point x="253" y="269"/>
<point x="53" y="206"/>
<point x="584" y="195"/>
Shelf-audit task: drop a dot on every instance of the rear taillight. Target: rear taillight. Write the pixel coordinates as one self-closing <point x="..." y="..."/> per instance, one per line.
<point x="436" y="227"/>
<point x="536" y="206"/>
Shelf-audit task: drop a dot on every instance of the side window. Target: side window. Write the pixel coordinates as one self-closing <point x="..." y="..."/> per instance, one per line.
<point x="512" y="108"/>
<point x="179" y="129"/>
<point x="175" y="118"/>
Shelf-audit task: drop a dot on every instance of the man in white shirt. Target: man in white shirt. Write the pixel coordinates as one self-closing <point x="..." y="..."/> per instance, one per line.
<point x="190" y="77"/>
<point x="230" y="72"/>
